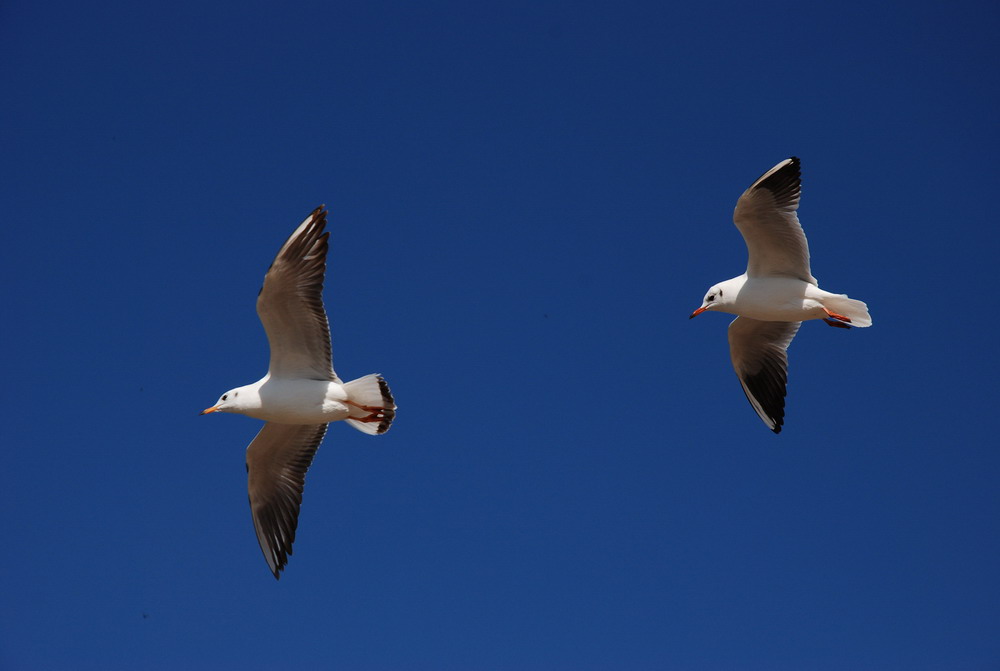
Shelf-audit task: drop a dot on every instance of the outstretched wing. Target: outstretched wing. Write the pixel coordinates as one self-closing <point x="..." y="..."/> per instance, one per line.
<point x="277" y="461"/>
<point x="290" y="304"/>
<point x="766" y="216"/>
<point x="758" y="350"/>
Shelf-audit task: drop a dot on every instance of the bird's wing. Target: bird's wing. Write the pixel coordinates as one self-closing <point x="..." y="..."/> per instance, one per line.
<point x="758" y="350"/>
<point x="277" y="461"/>
<point x="290" y="304"/>
<point x="765" y="215"/>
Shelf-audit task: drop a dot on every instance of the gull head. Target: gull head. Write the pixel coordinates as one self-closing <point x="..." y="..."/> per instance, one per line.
<point x="228" y="402"/>
<point x="713" y="299"/>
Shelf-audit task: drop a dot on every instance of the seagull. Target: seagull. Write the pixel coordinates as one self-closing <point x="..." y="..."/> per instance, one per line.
<point x="300" y="394"/>
<point x="776" y="293"/>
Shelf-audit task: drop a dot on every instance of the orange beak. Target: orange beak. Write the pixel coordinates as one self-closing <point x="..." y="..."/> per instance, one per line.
<point x="697" y="312"/>
<point x="208" y="410"/>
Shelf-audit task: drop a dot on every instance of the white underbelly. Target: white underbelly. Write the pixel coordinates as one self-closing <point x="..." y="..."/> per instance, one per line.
<point x="302" y="402"/>
<point x="780" y="300"/>
<point x="788" y="312"/>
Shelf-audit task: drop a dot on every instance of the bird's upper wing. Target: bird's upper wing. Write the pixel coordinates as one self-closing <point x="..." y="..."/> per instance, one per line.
<point x="277" y="461"/>
<point x="758" y="350"/>
<point x="765" y="215"/>
<point x="290" y="304"/>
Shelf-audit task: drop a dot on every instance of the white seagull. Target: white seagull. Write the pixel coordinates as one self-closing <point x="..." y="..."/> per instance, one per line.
<point x="301" y="393"/>
<point x="776" y="293"/>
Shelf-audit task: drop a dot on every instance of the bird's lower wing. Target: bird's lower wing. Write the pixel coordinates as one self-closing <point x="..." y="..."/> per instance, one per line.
<point x="277" y="461"/>
<point x="759" y="353"/>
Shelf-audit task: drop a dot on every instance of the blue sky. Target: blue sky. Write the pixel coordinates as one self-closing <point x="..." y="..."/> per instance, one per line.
<point x="527" y="200"/>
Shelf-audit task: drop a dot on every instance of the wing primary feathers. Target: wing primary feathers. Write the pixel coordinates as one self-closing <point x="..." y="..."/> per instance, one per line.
<point x="784" y="183"/>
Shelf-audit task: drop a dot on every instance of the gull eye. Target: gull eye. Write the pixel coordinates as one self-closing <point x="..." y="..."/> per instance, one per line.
<point x="710" y="299"/>
<point x="225" y="396"/>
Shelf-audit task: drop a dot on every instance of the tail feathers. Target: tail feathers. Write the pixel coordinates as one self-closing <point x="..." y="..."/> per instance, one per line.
<point x="373" y="392"/>
<point x="854" y="310"/>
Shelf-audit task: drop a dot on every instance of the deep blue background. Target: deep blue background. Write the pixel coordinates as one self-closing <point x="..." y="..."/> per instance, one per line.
<point x="527" y="201"/>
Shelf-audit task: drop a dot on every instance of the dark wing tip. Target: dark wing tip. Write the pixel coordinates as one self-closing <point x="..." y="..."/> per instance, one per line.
<point x="321" y="212"/>
<point x="274" y="535"/>
<point x="766" y="392"/>
<point x="318" y="217"/>
<point x="301" y="240"/>
<point x="784" y="181"/>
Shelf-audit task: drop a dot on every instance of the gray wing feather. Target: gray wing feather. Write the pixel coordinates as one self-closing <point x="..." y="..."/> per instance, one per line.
<point x="290" y="304"/>
<point x="277" y="461"/>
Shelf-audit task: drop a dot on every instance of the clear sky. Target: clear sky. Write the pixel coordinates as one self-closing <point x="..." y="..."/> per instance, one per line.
<point x="527" y="200"/>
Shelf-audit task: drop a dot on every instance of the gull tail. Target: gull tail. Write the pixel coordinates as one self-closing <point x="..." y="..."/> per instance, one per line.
<point x="373" y="407"/>
<point x="854" y="310"/>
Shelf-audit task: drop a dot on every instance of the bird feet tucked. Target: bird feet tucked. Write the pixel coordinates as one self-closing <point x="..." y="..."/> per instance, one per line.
<point x="375" y="414"/>
<point x="836" y="316"/>
<point x="833" y="322"/>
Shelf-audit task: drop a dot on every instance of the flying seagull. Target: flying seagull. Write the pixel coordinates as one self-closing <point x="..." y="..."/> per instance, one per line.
<point x="300" y="394"/>
<point x="776" y="293"/>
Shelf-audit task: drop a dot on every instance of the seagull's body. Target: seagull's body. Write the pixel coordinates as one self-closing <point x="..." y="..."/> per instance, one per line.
<point x="776" y="293"/>
<point x="301" y="393"/>
<point x="292" y="401"/>
<point x="774" y="299"/>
